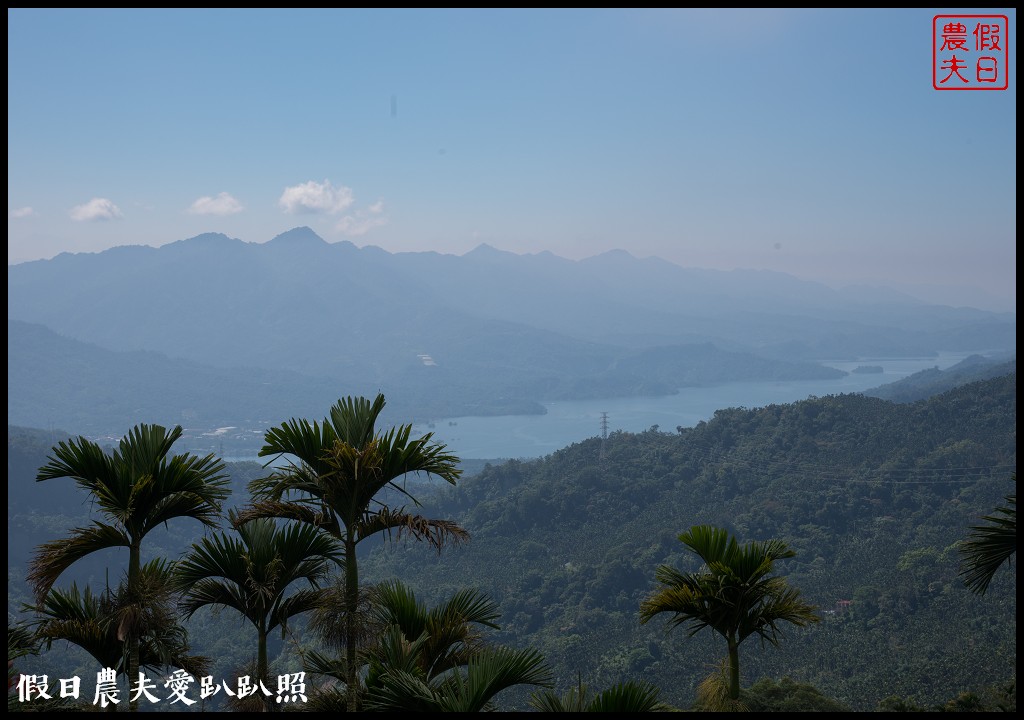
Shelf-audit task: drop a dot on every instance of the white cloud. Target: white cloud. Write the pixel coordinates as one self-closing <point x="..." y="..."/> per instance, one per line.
<point x="314" y="197"/>
<point x="20" y="212"/>
<point x="96" y="209"/>
<point x="223" y="204"/>
<point x="362" y="221"/>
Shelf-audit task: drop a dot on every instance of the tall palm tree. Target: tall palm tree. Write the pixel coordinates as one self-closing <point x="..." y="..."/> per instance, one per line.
<point x="733" y="593"/>
<point x="255" y="574"/>
<point x="137" y="487"/>
<point x="334" y="473"/>
<point x="989" y="546"/>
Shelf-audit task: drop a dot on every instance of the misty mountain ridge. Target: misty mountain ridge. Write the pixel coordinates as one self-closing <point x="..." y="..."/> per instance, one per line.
<point x="612" y="279"/>
<point x="619" y="263"/>
<point x="933" y="381"/>
<point x="503" y="332"/>
<point x="52" y="377"/>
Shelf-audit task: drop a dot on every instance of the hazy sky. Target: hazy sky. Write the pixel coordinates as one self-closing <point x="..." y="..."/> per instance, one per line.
<point x="805" y="141"/>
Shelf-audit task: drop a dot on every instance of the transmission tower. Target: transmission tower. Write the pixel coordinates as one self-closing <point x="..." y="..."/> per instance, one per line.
<point x="604" y="432"/>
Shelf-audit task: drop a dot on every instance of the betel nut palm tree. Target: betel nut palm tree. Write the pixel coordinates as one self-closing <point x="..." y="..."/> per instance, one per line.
<point x="733" y="593"/>
<point x="136" y="487"/>
<point x="331" y="480"/>
<point x="259" y="574"/>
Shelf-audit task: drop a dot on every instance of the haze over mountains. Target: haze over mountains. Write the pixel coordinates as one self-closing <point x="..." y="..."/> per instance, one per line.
<point x="270" y="330"/>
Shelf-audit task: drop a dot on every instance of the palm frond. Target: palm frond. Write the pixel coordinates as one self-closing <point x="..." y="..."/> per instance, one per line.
<point x="548" y="701"/>
<point x="320" y="664"/>
<point x="402" y="456"/>
<point x="52" y="558"/>
<point x="394" y="604"/>
<point x="146" y="446"/>
<point x="330" y="699"/>
<point x="627" y="697"/>
<point x="781" y="605"/>
<point x="80" y="459"/>
<point x="312" y="513"/>
<point x="451" y="629"/>
<point x="403" y="691"/>
<point x="468" y="606"/>
<point x="687" y="601"/>
<point x="300" y="601"/>
<point x="299" y="439"/>
<point x="397" y="522"/>
<point x="291" y="481"/>
<point x="353" y="419"/>
<point x="21" y="640"/>
<point x="989" y="546"/>
<point x="79" y="617"/>
<point x="211" y="591"/>
<point x="396" y="652"/>
<point x="489" y="673"/>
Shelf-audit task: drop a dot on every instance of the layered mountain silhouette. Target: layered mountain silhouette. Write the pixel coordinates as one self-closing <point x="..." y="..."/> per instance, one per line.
<point x="486" y="332"/>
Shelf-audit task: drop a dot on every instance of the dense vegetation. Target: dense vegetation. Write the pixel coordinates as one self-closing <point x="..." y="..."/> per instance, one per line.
<point x="873" y="497"/>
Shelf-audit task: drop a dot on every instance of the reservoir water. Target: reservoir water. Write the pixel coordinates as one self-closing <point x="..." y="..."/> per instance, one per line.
<point x="531" y="436"/>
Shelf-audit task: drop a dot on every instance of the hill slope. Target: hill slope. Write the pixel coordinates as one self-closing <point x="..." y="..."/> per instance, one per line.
<point x="873" y="496"/>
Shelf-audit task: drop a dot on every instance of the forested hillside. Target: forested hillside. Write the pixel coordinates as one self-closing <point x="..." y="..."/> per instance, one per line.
<point x="873" y="497"/>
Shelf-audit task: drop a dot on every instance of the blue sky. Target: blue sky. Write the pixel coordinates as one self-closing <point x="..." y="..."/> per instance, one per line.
<point x="805" y="141"/>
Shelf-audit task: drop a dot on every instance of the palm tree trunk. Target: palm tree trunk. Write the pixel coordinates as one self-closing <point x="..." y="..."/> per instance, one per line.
<point x="134" y="573"/>
<point x="734" y="667"/>
<point x="263" y="665"/>
<point x="351" y="607"/>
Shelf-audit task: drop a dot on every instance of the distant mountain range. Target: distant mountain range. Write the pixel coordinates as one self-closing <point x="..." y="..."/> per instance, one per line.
<point x="266" y="328"/>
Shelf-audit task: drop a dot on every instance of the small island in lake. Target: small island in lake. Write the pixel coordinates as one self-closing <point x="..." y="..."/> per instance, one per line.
<point x="864" y="369"/>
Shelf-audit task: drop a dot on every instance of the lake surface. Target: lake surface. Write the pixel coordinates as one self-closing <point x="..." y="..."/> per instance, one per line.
<point x="532" y="436"/>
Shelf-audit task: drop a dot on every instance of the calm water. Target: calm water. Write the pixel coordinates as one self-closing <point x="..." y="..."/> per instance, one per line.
<point x="530" y="436"/>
